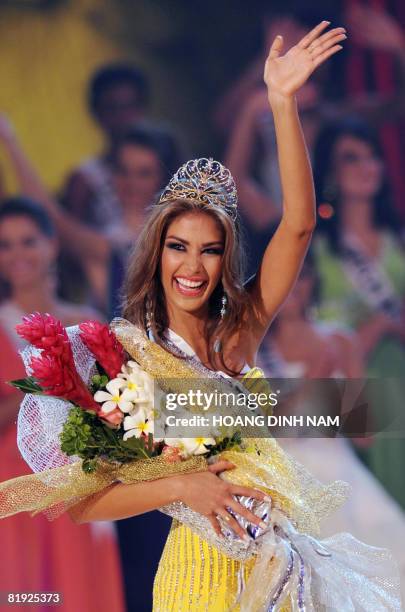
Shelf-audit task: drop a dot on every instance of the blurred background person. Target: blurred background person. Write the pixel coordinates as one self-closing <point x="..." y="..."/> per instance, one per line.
<point x="118" y="96"/>
<point x="298" y="346"/>
<point x="373" y="72"/>
<point x="81" y="562"/>
<point x="361" y="261"/>
<point x="143" y="159"/>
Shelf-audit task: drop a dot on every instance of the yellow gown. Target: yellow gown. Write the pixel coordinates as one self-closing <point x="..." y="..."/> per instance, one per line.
<point x="193" y="575"/>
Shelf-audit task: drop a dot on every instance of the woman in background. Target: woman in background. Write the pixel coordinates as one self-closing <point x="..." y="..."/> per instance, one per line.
<point x="361" y="261"/>
<point x="80" y="562"/>
<point x="300" y="347"/>
<point x="118" y="97"/>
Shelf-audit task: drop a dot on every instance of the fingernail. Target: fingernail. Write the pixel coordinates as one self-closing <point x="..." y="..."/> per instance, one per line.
<point x="266" y="498"/>
<point x="325" y="21"/>
<point x="263" y="525"/>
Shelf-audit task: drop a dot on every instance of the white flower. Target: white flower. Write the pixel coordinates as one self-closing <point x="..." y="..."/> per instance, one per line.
<point x="138" y="385"/>
<point x="190" y="446"/>
<point x="137" y="425"/>
<point x="113" y="397"/>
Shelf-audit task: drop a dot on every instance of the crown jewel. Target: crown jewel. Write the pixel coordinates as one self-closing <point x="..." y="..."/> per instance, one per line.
<point x="205" y="180"/>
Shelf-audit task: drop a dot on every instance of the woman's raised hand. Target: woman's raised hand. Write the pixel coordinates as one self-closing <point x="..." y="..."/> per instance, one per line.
<point x="285" y="74"/>
<point x="211" y="496"/>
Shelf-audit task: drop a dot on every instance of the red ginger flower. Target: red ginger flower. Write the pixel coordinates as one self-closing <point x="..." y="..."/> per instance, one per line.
<point x="101" y="341"/>
<point x="61" y="380"/>
<point x="55" y="368"/>
<point x="47" y="333"/>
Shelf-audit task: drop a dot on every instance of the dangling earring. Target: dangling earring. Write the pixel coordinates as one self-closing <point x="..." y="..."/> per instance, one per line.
<point x="149" y="319"/>
<point x="217" y="343"/>
<point x="224" y="302"/>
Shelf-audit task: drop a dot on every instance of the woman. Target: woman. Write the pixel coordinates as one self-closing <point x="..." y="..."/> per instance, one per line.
<point x="185" y="267"/>
<point x="77" y="561"/>
<point x="361" y="263"/>
<point x="300" y="347"/>
<point x="143" y="159"/>
<point x="118" y="96"/>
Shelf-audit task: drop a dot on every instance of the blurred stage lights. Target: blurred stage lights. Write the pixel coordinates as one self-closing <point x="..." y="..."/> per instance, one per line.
<point x="325" y="210"/>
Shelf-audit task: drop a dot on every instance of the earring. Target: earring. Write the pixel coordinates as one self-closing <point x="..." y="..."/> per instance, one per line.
<point x="224" y="301"/>
<point x="149" y="319"/>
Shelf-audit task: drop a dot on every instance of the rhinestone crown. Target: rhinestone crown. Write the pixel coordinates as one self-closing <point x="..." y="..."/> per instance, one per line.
<point x="205" y="180"/>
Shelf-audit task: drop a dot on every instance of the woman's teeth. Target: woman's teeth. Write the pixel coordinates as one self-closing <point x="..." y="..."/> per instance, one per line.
<point x="187" y="283"/>
<point x="190" y="288"/>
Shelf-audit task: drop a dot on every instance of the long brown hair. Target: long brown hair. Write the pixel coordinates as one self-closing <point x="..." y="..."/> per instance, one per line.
<point x="144" y="291"/>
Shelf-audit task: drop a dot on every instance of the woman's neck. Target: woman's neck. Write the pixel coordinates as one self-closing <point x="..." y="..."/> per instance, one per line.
<point x="191" y="328"/>
<point x="357" y="215"/>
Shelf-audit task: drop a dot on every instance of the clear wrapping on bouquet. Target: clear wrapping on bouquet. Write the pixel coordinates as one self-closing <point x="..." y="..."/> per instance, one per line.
<point x="337" y="574"/>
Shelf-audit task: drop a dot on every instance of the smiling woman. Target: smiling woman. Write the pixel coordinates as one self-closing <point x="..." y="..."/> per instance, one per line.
<point x="198" y="264"/>
<point x="189" y="265"/>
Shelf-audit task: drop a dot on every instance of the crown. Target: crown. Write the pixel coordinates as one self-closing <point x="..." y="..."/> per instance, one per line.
<point x="205" y="180"/>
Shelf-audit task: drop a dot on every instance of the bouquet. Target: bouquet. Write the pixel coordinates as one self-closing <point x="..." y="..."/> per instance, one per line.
<point x="111" y="417"/>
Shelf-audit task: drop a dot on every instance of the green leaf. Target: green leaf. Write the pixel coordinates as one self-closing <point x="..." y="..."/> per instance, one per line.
<point x="99" y="381"/>
<point x="27" y="385"/>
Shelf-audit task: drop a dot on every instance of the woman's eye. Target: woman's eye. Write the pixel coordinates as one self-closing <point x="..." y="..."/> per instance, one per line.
<point x="177" y="246"/>
<point x="214" y="251"/>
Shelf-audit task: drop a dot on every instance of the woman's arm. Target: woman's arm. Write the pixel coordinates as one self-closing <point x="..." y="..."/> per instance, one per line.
<point x="78" y="238"/>
<point x="203" y="492"/>
<point x="257" y="206"/>
<point x="284" y="75"/>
